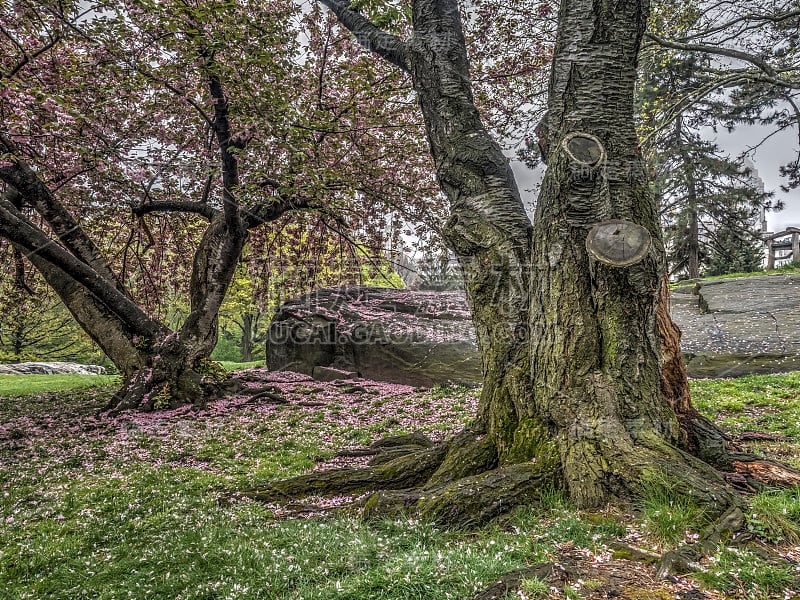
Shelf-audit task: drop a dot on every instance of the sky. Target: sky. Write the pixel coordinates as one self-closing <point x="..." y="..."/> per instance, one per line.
<point x="778" y="150"/>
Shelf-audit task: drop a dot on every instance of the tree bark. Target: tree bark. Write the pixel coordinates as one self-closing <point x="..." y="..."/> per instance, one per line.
<point x="584" y="382"/>
<point x="488" y="227"/>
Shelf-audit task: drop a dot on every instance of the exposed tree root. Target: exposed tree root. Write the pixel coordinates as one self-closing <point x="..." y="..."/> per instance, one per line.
<point x="153" y="389"/>
<point x="686" y="558"/>
<point x="470" y="501"/>
<point x="405" y="472"/>
<point x="744" y="470"/>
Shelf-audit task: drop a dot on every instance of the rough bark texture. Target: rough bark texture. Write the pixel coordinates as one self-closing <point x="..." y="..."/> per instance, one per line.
<point x="584" y="382"/>
<point x="488" y="227"/>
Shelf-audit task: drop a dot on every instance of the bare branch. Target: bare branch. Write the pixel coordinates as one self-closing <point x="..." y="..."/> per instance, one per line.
<point x="753" y="20"/>
<point x="198" y="208"/>
<point x="757" y="61"/>
<point x="370" y="36"/>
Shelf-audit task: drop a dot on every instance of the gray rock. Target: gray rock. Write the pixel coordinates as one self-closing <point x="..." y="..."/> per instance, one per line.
<point x="400" y="336"/>
<point x="742" y="326"/>
<point x="730" y="327"/>
<point x="50" y="368"/>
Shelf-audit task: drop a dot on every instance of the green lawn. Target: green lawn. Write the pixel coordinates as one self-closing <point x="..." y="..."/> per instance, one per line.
<point x="790" y="269"/>
<point x="130" y="507"/>
<point x="22" y="385"/>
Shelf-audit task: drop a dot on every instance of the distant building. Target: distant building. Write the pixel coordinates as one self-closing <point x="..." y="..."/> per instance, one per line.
<point x="757" y="184"/>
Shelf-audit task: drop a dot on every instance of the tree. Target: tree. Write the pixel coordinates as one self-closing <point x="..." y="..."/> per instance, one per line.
<point x="734" y="251"/>
<point x="746" y="64"/>
<point x="703" y="191"/>
<point x="584" y="384"/>
<point x="708" y="202"/>
<point x="203" y="123"/>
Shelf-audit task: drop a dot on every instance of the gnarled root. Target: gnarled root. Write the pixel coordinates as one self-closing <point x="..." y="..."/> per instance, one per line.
<point x="512" y="580"/>
<point x="743" y="470"/>
<point x="469" y="501"/>
<point x="686" y="558"/>
<point x="404" y="472"/>
<point x="455" y="482"/>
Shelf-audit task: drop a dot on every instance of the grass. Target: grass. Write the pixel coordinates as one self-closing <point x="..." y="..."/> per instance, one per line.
<point x="129" y="507"/>
<point x="26" y="385"/>
<point x="769" y="403"/>
<point x="790" y="269"/>
<point x="745" y="574"/>
<point x="669" y="518"/>
<point x="236" y="366"/>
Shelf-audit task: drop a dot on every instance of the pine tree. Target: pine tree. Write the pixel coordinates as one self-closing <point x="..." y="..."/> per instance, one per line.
<point x="708" y="199"/>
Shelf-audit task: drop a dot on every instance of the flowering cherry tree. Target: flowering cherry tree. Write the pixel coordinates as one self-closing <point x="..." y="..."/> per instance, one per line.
<point x="144" y="143"/>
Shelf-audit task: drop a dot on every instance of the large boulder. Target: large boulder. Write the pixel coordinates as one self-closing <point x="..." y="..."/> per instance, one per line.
<point x="740" y="326"/>
<point x="400" y="336"/>
<point x="730" y="327"/>
<point x="50" y="368"/>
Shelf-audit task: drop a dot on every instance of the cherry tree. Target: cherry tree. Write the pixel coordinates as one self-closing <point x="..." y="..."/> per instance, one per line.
<point x="584" y="384"/>
<point x="143" y="144"/>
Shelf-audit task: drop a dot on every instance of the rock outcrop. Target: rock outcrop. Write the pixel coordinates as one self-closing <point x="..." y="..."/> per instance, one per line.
<point x="400" y="336"/>
<point x="50" y="368"/>
<point x="741" y="326"/>
<point x="730" y="327"/>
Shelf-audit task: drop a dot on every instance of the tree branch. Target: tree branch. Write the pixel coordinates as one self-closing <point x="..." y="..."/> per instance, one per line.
<point x="16" y="229"/>
<point x="35" y="193"/>
<point x="26" y="58"/>
<point x="265" y="212"/>
<point x="757" y="61"/>
<point x="370" y="36"/>
<point x="752" y="18"/>
<point x="198" y="208"/>
<point x="230" y="165"/>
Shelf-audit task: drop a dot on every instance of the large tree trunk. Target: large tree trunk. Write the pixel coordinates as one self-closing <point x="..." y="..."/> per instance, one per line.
<point x="177" y="370"/>
<point x="596" y="355"/>
<point x="488" y="228"/>
<point x="584" y="383"/>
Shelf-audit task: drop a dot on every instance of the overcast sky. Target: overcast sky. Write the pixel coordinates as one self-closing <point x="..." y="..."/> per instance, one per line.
<point x="778" y="150"/>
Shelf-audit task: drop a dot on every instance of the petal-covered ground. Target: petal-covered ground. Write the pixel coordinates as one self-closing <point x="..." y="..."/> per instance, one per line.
<point x="129" y="507"/>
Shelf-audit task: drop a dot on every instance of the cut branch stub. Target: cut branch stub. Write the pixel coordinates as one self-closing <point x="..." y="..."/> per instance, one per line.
<point x="618" y="243"/>
<point x="584" y="149"/>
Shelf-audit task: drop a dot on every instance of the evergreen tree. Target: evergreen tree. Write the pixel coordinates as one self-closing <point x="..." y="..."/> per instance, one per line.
<point x="734" y="252"/>
<point x="708" y="199"/>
